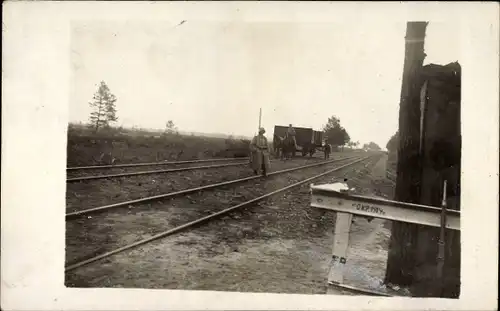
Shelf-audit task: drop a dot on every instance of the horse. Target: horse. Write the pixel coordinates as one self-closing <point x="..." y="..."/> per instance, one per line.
<point x="284" y="147"/>
<point x="277" y="145"/>
<point x="287" y="147"/>
<point x="327" y="149"/>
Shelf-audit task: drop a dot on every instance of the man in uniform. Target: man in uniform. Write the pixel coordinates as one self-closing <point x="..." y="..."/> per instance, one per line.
<point x="260" y="153"/>
<point x="291" y="133"/>
<point x="327" y="150"/>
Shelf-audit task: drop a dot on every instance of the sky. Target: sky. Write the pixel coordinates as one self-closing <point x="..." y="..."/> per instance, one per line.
<point x="213" y="77"/>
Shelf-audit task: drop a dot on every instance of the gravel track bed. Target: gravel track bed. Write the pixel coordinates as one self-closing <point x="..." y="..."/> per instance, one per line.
<point x="88" y="194"/>
<point x="282" y="246"/>
<point x="87" y="237"/>
<point x="166" y="166"/>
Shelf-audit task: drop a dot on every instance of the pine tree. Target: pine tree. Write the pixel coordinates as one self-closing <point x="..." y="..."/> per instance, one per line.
<point x="104" y="109"/>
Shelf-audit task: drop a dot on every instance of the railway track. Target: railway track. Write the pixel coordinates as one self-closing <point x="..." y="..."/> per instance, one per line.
<point x="94" y="167"/>
<point x="172" y="170"/>
<point x="93" y="193"/>
<point x="84" y="177"/>
<point x="169" y="195"/>
<point x="212" y="209"/>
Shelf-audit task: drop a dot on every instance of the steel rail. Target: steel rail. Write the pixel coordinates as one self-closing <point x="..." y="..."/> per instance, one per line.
<point x="196" y="189"/>
<point x="151" y="164"/>
<point x="211" y="216"/>
<point x="172" y="170"/>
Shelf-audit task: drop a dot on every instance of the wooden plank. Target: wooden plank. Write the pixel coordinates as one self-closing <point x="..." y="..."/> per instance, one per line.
<point x="339" y="191"/>
<point x="385" y="209"/>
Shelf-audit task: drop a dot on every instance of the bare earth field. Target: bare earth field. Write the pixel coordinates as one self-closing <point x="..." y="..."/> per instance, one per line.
<point x="282" y="245"/>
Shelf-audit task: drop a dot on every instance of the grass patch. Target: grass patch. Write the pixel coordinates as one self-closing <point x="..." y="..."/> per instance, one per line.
<point x="122" y="145"/>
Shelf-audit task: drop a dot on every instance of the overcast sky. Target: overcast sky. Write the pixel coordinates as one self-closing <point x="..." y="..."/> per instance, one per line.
<point x="213" y="77"/>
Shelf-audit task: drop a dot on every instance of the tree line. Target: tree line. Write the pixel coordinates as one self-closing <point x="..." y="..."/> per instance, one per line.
<point x="337" y="135"/>
<point x="104" y="113"/>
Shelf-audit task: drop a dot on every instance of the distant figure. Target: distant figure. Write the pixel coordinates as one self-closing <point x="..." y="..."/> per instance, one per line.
<point x="259" y="159"/>
<point x="328" y="150"/>
<point x="291" y="133"/>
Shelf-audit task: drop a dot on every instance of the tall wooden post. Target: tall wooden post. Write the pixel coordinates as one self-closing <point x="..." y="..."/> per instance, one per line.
<point x="260" y="117"/>
<point x="401" y="256"/>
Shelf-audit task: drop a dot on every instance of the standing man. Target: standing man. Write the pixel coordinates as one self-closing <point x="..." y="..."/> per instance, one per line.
<point x="260" y="153"/>
<point x="327" y="150"/>
<point x="291" y="133"/>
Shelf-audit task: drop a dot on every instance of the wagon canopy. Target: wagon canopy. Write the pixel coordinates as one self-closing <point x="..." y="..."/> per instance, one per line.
<point x="280" y="130"/>
<point x="318" y="138"/>
<point x="304" y="136"/>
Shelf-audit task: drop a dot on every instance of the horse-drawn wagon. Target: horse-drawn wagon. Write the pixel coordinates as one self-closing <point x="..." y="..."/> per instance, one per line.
<point x="307" y="140"/>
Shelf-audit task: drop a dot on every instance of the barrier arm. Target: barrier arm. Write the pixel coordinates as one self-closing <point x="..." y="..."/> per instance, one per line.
<point x="336" y="197"/>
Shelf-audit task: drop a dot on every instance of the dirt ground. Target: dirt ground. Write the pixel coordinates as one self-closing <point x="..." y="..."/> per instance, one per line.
<point x="281" y="245"/>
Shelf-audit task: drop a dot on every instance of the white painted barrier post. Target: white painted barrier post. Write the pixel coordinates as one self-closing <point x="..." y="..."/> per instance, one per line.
<point x="340" y="246"/>
<point x="335" y="197"/>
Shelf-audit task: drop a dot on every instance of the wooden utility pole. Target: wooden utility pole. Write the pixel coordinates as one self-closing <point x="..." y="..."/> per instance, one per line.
<point x="400" y="264"/>
<point x="260" y="117"/>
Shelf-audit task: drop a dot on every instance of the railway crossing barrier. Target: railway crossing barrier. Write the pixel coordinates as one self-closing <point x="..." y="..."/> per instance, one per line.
<point x="336" y="197"/>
